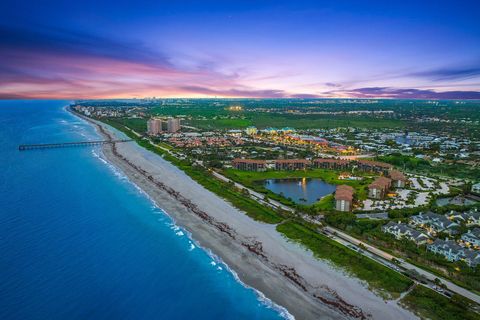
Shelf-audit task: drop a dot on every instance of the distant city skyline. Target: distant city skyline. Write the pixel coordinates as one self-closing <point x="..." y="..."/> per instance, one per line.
<point x="250" y="49"/>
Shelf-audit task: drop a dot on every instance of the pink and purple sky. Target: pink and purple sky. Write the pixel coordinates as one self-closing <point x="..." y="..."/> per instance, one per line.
<point x="123" y="49"/>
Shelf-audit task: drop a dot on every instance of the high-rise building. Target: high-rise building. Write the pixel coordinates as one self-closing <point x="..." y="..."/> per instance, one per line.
<point x="154" y="126"/>
<point x="173" y="125"/>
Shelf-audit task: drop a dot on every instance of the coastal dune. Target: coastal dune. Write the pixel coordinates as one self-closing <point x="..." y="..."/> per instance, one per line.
<point x="283" y="271"/>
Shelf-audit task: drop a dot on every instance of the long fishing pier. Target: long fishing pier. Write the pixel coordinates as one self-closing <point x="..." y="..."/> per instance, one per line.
<point x="24" y="147"/>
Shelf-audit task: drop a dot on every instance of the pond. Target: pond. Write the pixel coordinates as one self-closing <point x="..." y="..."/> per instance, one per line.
<point x="300" y="190"/>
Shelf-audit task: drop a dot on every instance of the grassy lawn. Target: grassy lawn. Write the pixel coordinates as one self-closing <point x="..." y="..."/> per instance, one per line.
<point x="326" y="203"/>
<point x="452" y="169"/>
<point x="370" y="231"/>
<point x="428" y="304"/>
<point x="251" y="207"/>
<point x="380" y="279"/>
<point x="254" y="180"/>
<point x="217" y="124"/>
<point x="137" y="124"/>
<point x="263" y="120"/>
<point x="310" y="121"/>
<point x="240" y="201"/>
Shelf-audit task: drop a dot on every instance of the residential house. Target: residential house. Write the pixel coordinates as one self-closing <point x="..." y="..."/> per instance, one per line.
<point x="434" y="223"/>
<point x="471" y="238"/>
<point x="454" y="252"/>
<point x="403" y="231"/>
<point x="447" y="248"/>
<point x="470" y="218"/>
<point x="472" y="258"/>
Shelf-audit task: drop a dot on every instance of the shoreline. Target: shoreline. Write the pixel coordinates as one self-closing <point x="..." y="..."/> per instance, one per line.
<point x="283" y="272"/>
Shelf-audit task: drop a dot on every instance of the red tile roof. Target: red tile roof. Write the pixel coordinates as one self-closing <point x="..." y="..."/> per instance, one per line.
<point x="325" y="160"/>
<point x="397" y="175"/>
<point x="381" y="183"/>
<point x="292" y="161"/>
<point x="249" y="161"/>
<point x="344" y="192"/>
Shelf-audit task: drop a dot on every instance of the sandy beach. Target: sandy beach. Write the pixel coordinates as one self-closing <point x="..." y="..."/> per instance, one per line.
<point x="283" y="271"/>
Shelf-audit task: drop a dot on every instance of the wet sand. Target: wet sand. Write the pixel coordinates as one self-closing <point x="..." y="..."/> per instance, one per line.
<point x="283" y="271"/>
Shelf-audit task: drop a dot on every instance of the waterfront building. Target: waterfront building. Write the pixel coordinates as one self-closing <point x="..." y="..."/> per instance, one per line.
<point x="249" y="164"/>
<point x="154" y="126"/>
<point x="173" y="125"/>
<point x="344" y="198"/>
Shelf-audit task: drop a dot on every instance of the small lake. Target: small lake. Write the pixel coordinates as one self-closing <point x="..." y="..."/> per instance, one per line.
<point x="301" y="190"/>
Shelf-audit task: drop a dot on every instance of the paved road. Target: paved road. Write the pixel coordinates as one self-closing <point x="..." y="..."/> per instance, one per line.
<point x="385" y="257"/>
<point x="257" y="195"/>
<point x="407" y="266"/>
<point x="381" y="215"/>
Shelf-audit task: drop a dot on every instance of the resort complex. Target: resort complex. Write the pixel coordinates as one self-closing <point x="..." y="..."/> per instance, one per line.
<point x="360" y="189"/>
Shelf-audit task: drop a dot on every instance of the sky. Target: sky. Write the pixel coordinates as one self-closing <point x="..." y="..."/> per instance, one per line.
<point x="253" y="49"/>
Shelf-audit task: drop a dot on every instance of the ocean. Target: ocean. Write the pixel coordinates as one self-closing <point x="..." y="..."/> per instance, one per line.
<point x="79" y="241"/>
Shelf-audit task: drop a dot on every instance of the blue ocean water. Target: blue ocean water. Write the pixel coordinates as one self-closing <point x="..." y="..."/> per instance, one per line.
<point x="79" y="241"/>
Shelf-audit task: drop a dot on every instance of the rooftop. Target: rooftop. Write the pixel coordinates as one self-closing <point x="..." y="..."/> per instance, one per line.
<point x="344" y="192"/>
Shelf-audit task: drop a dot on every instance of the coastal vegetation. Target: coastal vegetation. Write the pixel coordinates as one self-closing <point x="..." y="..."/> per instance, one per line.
<point x="370" y="231"/>
<point x="385" y="281"/>
<point x="423" y="301"/>
<point x="204" y="177"/>
<point x="381" y="279"/>
<point x="428" y="304"/>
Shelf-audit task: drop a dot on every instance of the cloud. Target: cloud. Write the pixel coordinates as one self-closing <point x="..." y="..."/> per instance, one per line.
<point x="333" y="85"/>
<point x="449" y="73"/>
<point x="402" y="93"/>
<point x="67" y="64"/>
<point x="58" y="63"/>
<point x="60" y="42"/>
<point x="250" y="93"/>
<point x="304" y="96"/>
